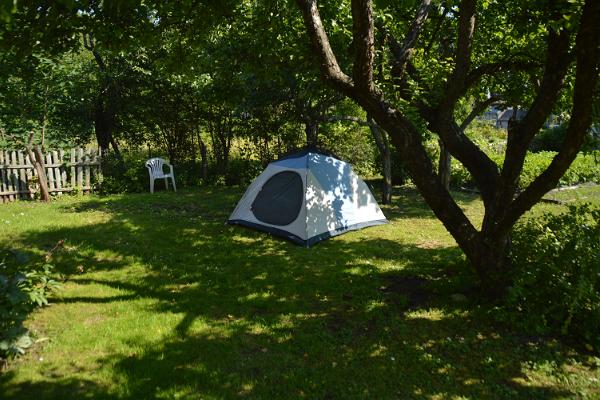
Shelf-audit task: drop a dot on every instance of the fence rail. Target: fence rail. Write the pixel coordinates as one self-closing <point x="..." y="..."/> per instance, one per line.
<point x="76" y="169"/>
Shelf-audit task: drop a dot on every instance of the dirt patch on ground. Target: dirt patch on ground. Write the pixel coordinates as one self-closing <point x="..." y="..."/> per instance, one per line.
<point x="412" y="289"/>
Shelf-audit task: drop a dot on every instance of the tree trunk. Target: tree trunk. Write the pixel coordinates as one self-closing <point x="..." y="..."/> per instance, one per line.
<point x="115" y="147"/>
<point x="203" y="158"/>
<point x="493" y="265"/>
<point x="445" y="165"/>
<point x="383" y="145"/>
<point x="103" y="124"/>
<point x="387" y="176"/>
<point x="312" y="132"/>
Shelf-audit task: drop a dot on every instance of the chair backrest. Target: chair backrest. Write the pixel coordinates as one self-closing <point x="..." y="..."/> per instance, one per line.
<point x="155" y="165"/>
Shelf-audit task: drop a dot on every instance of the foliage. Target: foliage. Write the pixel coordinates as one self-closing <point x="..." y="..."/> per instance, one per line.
<point x="399" y="173"/>
<point x="549" y="139"/>
<point x="557" y="282"/>
<point x="128" y="173"/>
<point x="23" y="287"/>
<point x="125" y="173"/>
<point x="354" y="144"/>
<point x="584" y="168"/>
<point x="242" y="171"/>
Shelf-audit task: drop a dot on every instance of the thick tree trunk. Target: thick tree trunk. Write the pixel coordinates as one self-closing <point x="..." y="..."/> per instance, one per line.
<point x="493" y="265"/>
<point x="105" y="115"/>
<point x="445" y="165"/>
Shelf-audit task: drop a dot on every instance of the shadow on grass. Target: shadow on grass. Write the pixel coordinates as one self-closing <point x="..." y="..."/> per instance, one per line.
<point x="262" y="318"/>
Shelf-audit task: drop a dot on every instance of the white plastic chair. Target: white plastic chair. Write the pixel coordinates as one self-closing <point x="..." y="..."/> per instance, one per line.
<point x="155" y="169"/>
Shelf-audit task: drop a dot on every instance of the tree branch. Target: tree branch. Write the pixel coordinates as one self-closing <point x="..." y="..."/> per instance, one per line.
<point x="462" y="63"/>
<point x="330" y="68"/>
<point x="403" y="133"/>
<point x="363" y="35"/>
<point x="88" y="43"/>
<point x="521" y="133"/>
<point x="402" y="54"/>
<point x="348" y="118"/>
<point x="437" y="28"/>
<point x="492" y="68"/>
<point x="478" y="108"/>
<point x="587" y="50"/>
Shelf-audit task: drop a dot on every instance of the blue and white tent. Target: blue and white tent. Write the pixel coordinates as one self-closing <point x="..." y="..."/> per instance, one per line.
<point x="307" y="197"/>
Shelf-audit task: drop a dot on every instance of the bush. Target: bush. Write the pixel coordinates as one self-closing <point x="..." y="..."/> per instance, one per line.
<point x="584" y="169"/>
<point x="23" y="287"/>
<point x="557" y="277"/>
<point x="127" y="174"/>
<point x="354" y="144"/>
<point x="242" y="171"/>
<point x="550" y="139"/>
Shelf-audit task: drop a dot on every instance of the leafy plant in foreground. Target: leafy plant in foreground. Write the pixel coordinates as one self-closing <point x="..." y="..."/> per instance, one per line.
<point x="557" y="284"/>
<point x="23" y="287"/>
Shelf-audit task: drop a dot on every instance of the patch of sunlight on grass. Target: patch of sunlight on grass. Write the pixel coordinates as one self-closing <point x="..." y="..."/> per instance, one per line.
<point x="374" y="305"/>
<point x="378" y="351"/>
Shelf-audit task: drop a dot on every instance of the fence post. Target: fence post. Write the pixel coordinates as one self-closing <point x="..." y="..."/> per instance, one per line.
<point x="29" y="173"/>
<point x="56" y="169"/>
<point x="12" y="177"/>
<point x="3" y="184"/>
<point x="80" y="169"/>
<point x="63" y="170"/>
<point x="49" y="172"/>
<point x="22" y="176"/>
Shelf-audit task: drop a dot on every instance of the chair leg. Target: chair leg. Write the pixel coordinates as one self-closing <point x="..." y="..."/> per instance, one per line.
<point x="167" y="183"/>
<point x="151" y="185"/>
<point x="173" y="180"/>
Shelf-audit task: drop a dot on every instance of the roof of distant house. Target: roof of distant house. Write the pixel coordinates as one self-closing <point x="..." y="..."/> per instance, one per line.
<point x="507" y="114"/>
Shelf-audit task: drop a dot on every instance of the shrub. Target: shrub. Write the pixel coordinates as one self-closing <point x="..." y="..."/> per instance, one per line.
<point x="242" y="171"/>
<point x="127" y="174"/>
<point x="557" y="277"/>
<point x="23" y="287"/>
<point x="353" y="144"/>
<point x="550" y="139"/>
<point x="584" y="169"/>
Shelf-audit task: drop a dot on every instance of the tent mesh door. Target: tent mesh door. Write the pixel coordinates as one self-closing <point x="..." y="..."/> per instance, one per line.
<point x="280" y="199"/>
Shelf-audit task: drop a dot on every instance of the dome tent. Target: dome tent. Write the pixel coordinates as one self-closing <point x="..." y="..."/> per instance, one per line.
<point x="307" y="197"/>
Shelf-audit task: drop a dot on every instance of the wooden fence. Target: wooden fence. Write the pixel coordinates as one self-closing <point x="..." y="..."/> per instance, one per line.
<point x="65" y="173"/>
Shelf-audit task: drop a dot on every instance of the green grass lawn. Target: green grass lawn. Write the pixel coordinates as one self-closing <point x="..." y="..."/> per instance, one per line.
<point x="162" y="300"/>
